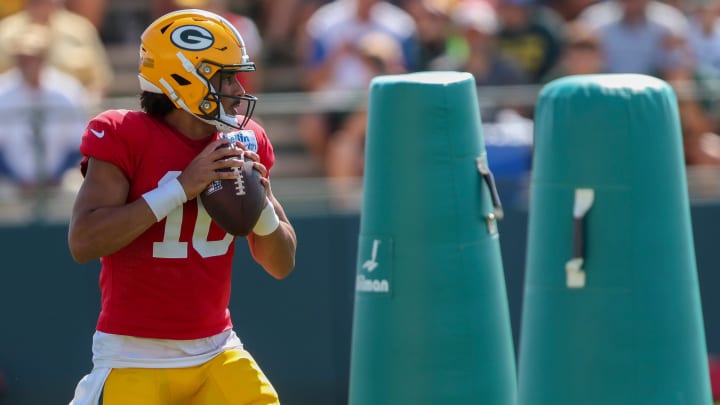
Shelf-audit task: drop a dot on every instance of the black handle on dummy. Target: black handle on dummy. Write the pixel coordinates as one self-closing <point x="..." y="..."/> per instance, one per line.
<point x="579" y="237"/>
<point x="490" y="181"/>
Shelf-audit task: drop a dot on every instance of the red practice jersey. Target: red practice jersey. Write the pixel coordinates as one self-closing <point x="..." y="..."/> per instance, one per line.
<point x="173" y="281"/>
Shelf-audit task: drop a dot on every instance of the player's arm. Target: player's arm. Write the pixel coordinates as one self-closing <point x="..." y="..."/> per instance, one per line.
<point x="102" y="220"/>
<point x="273" y="241"/>
<point x="275" y="252"/>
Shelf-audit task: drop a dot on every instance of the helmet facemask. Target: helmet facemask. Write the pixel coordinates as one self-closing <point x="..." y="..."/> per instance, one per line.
<point x="211" y="106"/>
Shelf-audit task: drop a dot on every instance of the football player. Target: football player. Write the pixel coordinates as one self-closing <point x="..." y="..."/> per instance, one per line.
<point x="164" y="334"/>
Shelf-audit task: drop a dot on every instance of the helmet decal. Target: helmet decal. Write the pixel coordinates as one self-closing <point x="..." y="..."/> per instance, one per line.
<point x="192" y="38"/>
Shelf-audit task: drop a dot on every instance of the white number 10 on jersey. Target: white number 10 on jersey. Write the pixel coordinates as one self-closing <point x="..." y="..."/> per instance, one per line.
<point x="172" y="248"/>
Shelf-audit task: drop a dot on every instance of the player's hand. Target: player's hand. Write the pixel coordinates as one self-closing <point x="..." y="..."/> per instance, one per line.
<point x="257" y="165"/>
<point x="206" y="166"/>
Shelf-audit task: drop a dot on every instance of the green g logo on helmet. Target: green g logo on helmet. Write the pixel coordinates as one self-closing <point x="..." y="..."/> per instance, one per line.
<point x="192" y="38"/>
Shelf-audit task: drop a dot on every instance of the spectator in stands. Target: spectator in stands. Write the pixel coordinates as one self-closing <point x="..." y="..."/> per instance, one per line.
<point x="531" y="34"/>
<point x="569" y="10"/>
<point x="346" y="149"/>
<point x="641" y="36"/>
<point x="479" y="55"/>
<point x="478" y="25"/>
<point x="582" y="54"/>
<point x="75" y="45"/>
<point x="704" y="34"/>
<point x="332" y="32"/>
<point x="650" y="37"/>
<point x="507" y="135"/>
<point x="161" y="7"/>
<point x="282" y="21"/>
<point x="245" y="26"/>
<point x="381" y="54"/>
<point x="704" y="40"/>
<point x="435" y="36"/>
<point x="42" y="113"/>
<point x="334" y="67"/>
<point x="93" y="10"/>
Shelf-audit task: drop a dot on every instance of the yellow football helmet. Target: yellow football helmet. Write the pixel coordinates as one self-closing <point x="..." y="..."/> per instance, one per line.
<point x="181" y="51"/>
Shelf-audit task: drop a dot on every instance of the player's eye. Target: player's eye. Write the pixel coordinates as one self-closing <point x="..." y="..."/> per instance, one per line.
<point x="228" y="78"/>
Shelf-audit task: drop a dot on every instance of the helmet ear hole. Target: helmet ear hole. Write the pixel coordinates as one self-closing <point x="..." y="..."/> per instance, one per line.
<point x="180" y="80"/>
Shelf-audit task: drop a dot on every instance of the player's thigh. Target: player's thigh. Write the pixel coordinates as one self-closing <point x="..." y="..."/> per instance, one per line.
<point x="138" y="386"/>
<point x="234" y="377"/>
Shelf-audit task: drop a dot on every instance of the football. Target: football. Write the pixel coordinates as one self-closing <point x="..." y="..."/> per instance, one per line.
<point x="235" y="205"/>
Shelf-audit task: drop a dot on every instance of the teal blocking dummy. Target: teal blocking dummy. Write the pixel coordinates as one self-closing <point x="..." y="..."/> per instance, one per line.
<point x="611" y="309"/>
<point x="431" y="323"/>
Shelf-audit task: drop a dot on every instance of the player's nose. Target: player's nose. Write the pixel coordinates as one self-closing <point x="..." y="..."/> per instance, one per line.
<point x="236" y="87"/>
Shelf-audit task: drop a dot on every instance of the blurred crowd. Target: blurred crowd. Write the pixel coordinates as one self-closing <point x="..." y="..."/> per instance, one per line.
<point x="55" y="65"/>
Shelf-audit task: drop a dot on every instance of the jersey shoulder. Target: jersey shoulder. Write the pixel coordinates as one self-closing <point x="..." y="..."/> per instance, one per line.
<point x="118" y="126"/>
<point x="116" y="136"/>
<point x="124" y="122"/>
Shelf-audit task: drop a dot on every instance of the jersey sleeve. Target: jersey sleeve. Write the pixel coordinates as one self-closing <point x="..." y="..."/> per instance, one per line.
<point x="108" y="137"/>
